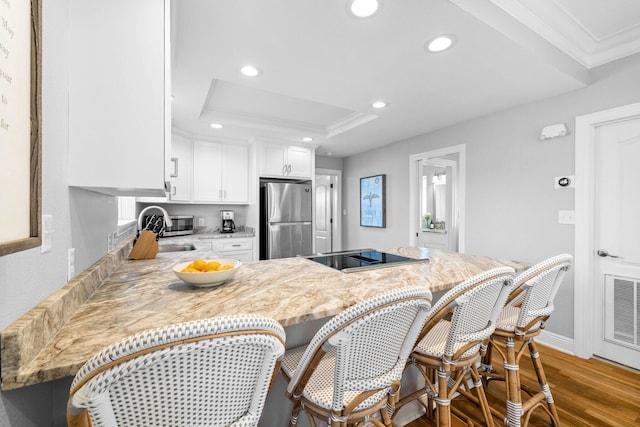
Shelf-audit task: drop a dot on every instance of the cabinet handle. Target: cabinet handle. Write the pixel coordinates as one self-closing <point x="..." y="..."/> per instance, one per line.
<point x="236" y="245"/>
<point x="173" y="191"/>
<point x="289" y="170"/>
<point x="284" y="169"/>
<point x="220" y="194"/>
<point x="174" y="160"/>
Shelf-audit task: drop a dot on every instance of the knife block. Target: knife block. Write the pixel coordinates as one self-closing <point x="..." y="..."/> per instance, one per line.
<point x="145" y="247"/>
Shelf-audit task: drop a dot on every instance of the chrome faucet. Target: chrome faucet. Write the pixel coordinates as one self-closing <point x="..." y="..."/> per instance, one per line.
<point x="167" y="220"/>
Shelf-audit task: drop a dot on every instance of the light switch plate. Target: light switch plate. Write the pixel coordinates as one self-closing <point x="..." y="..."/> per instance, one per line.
<point x="47" y="230"/>
<point x="71" y="268"/>
<point x="566" y="217"/>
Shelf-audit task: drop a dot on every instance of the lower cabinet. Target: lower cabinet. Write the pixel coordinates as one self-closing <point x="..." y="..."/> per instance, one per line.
<point x="234" y="248"/>
<point x="435" y="240"/>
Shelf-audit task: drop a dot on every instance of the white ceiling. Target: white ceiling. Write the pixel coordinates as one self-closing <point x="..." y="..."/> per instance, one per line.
<point x="322" y="68"/>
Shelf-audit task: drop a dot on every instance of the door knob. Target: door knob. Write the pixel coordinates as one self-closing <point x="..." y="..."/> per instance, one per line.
<point x="604" y="253"/>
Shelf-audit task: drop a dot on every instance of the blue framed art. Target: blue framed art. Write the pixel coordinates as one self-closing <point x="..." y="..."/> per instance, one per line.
<point x="373" y="201"/>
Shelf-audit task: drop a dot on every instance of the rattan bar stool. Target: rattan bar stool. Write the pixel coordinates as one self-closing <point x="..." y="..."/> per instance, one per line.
<point x="448" y="350"/>
<point x="523" y="318"/>
<point x="350" y="372"/>
<point x="213" y="372"/>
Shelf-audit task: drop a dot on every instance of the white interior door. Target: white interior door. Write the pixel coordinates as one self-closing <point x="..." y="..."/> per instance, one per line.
<point x="328" y="210"/>
<point x="323" y="228"/>
<point x="617" y="242"/>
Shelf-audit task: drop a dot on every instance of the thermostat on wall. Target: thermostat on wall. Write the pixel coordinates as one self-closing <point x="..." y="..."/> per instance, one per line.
<point x="564" y="181"/>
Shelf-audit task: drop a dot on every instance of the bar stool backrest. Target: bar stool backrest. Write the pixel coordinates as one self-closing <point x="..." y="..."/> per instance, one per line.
<point x="535" y="290"/>
<point x="215" y="371"/>
<point x="371" y="342"/>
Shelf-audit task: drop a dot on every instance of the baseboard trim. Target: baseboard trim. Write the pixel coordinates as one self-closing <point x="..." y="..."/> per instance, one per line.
<point x="559" y="342"/>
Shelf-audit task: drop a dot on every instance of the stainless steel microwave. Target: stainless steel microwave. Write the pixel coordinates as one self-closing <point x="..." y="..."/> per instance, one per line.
<point x="182" y="225"/>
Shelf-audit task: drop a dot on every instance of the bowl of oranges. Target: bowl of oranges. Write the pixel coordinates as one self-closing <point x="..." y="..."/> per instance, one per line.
<point x="207" y="273"/>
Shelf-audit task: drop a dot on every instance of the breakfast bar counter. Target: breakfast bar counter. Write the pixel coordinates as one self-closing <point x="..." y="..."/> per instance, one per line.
<point x="106" y="304"/>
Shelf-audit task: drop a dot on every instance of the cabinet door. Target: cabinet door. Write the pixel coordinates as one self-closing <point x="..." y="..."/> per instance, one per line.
<point x="181" y="171"/>
<point x="207" y="171"/>
<point x="434" y="240"/>
<point x="118" y="96"/>
<point x="299" y="162"/>
<point x="273" y="159"/>
<point x="235" y="173"/>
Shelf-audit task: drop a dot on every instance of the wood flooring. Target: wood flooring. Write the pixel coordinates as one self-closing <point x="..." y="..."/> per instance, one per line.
<point x="586" y="392"/>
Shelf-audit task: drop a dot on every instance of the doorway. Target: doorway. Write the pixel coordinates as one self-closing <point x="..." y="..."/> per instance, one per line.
<point x="607" y="250"/>
<point x="437" y="188"/>
<point x="328" y="198"/>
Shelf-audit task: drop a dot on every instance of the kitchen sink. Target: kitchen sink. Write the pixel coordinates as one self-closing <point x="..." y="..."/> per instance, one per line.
<point x="176" y="247"/>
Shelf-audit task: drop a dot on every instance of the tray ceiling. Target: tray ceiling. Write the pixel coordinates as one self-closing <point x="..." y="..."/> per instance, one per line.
<point x="322" y="68"/>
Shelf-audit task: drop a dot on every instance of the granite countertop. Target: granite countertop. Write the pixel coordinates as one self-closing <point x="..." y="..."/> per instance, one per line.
<point x="143" y="294"/>
<point x="243" y="232"/>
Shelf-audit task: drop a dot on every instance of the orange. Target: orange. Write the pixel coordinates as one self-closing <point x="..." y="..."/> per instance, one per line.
<point x="200" y="264"/>
<point x="212" y="266"/>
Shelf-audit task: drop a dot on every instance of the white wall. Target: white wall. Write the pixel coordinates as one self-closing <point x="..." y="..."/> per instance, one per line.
<point x="511" y="204"/>
<point x="81" y="219"/>
<point x="328" y="162"/>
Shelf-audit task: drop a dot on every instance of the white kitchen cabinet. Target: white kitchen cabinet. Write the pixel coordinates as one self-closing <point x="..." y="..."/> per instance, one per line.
<point x="234" y="248"/>
<point x="220" y="172"/>
<point x="434" y="240"/>
<point x="180" y="170"/>
<point x="119" y="96"/>
<point x="286" y="161"/>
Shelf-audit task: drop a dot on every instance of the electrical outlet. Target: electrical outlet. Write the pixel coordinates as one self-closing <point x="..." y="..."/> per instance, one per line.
<point x="201" y="222"/>
<point x="47" y="230"/>
<point x="71" y="265"/>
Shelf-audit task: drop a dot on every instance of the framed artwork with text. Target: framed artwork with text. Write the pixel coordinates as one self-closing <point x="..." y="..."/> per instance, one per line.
<point x="20" y="124"/>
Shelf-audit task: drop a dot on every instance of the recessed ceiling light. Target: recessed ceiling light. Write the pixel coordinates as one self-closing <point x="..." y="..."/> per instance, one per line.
<point x="307" y="139"/>
<point x="380" y="104"/>
<point x="250" y="71"/>
<point x="364" y="8"/>
<point x="440" y="43"/>
<point x="216" y="125"/>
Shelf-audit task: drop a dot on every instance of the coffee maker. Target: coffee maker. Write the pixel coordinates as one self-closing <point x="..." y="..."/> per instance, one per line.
<point x="228" y="226"/>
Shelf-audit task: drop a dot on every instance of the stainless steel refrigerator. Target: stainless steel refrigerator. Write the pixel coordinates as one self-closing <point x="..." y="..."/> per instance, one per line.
<point x="286" y="229"/>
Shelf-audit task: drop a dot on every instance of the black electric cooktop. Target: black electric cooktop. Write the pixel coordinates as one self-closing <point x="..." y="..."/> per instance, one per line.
<point x="360" y="259"/>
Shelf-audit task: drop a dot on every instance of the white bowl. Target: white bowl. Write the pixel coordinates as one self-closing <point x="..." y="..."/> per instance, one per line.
<point x="209" y="278"/>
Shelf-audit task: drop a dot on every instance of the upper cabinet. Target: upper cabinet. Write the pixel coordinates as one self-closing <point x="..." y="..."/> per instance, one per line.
<point x="286" y="161"/>
<point x="207" y="172"/>
<point x="220" y="172"/>
<point x="119" y="96"/>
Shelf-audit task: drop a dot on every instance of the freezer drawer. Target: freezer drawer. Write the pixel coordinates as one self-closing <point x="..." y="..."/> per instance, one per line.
<point x="289" y="239"/>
